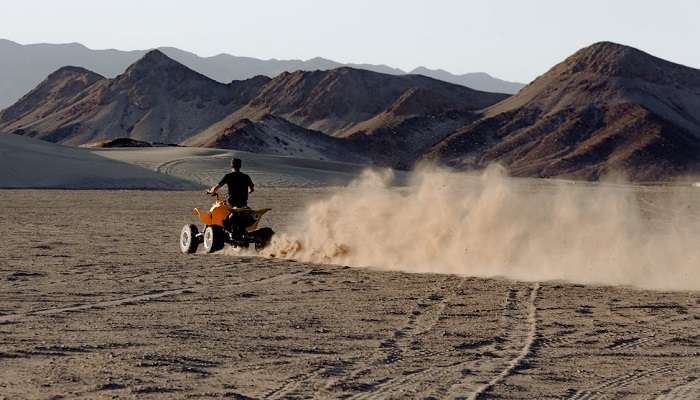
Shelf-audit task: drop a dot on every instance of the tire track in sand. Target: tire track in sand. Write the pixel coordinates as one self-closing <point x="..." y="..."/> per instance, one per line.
<point x="423" y="318"/>
<point x="651" y="337"/>
<point x="637" y="338"/>
<point x="524" y="351"/>
<point x="292" y="384"/>
<point x="99" y="304"/>
<point x="686" y="391"/>
<point x="416" y="326"/>
<point x="202" y="177"/>
<point x="507" y="334"/>
<point x="436" y="373"/>
<point x="164" y="167"/>
<point x="152" y="295"/>
<point x="613" y="385"/>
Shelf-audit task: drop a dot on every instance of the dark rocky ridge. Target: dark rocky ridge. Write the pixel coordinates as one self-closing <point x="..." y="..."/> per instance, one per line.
<point x="607" y="109"/>
<point x="367" y="107"/>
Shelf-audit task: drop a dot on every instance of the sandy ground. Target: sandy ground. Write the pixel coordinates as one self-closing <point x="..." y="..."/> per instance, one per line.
<point x="97" y="302"/>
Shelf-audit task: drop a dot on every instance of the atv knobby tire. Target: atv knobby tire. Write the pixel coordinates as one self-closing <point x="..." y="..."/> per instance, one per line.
<point x="213" y="239"/>
<point x="188" y="239"/>
<point x="262" y="237"/>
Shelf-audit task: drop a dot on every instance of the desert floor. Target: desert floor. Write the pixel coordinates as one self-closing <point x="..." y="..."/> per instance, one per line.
<point x="97" y="302"/>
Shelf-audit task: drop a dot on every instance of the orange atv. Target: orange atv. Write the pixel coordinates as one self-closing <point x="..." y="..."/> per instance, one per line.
<point x="225" y="224"/>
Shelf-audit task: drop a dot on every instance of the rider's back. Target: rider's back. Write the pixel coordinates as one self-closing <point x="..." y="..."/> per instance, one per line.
<point x="238" y="184"/>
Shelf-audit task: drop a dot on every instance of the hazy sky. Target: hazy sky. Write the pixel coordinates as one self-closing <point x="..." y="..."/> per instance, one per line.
<point x="514" y="40"/>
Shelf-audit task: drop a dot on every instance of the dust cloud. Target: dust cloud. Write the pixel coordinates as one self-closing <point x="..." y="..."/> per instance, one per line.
<point x="490" y="225"/>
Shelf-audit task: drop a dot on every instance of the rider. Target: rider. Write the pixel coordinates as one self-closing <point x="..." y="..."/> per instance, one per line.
<point x="238" y="183"/>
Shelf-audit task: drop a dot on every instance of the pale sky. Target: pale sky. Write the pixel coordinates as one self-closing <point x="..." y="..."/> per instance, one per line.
<point x="510" y="39"/>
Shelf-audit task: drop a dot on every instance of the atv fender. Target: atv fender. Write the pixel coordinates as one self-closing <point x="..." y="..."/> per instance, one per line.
<point x="204" y="218"/>
<point x="216" y="216"/>
<point x="258" y="214"/>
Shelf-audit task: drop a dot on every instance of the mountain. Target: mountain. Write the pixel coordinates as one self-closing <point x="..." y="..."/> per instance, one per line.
<point x="413" y="123"/>
<point x="475" y="80"/>
<point x="56" y="91"/>
<point x="22" y="67"/>
<point x="608" y="108"/>
<point x="369" y="109"/>
<point x="337" y="101"/>
<point x="156" y="99"/>
<point x="344" y="114"/>
<point x="277" y="136"/>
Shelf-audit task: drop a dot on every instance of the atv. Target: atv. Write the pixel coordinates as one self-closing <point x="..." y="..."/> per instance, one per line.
<point x="225" y="224"/>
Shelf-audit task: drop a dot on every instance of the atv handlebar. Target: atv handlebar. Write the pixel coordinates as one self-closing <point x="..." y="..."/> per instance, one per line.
<point x="214" y="194"/>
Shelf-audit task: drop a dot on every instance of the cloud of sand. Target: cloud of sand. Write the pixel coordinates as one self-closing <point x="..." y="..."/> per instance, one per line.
<point x="489" y="225"/>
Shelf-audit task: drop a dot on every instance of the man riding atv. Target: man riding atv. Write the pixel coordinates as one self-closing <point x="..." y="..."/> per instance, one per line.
<point x="230" y="221"/>
<point x="238" y="185"/>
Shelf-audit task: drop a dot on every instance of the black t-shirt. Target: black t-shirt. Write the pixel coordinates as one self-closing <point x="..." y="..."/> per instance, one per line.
<point x="238" y="184"/>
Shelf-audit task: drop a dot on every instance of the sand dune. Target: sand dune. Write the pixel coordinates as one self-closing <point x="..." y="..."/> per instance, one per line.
<point x="207" y="166"/>
<point x="31" y="163"/>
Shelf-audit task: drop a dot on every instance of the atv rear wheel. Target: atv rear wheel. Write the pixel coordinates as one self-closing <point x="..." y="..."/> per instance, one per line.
<point x="188" y="239"/>
<point x="262" y="237"/>
<point x="213" y="238"/>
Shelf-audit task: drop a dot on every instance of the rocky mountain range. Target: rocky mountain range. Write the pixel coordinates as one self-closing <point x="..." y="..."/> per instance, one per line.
<point x="22" y="67"/>
<point x="607" y="109"/>
<point x="301" y="113"/>
<point x="364" y="107"/>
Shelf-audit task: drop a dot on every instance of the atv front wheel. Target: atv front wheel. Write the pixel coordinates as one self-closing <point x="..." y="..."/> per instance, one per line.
<point x="213" y="239"/>
<point x="188" y="239"/>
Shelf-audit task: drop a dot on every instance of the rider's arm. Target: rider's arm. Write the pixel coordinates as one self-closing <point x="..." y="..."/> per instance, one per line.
<point x="251" y="185"/>
<point x="218" y="186"/>
<point x="214" y="189"/>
